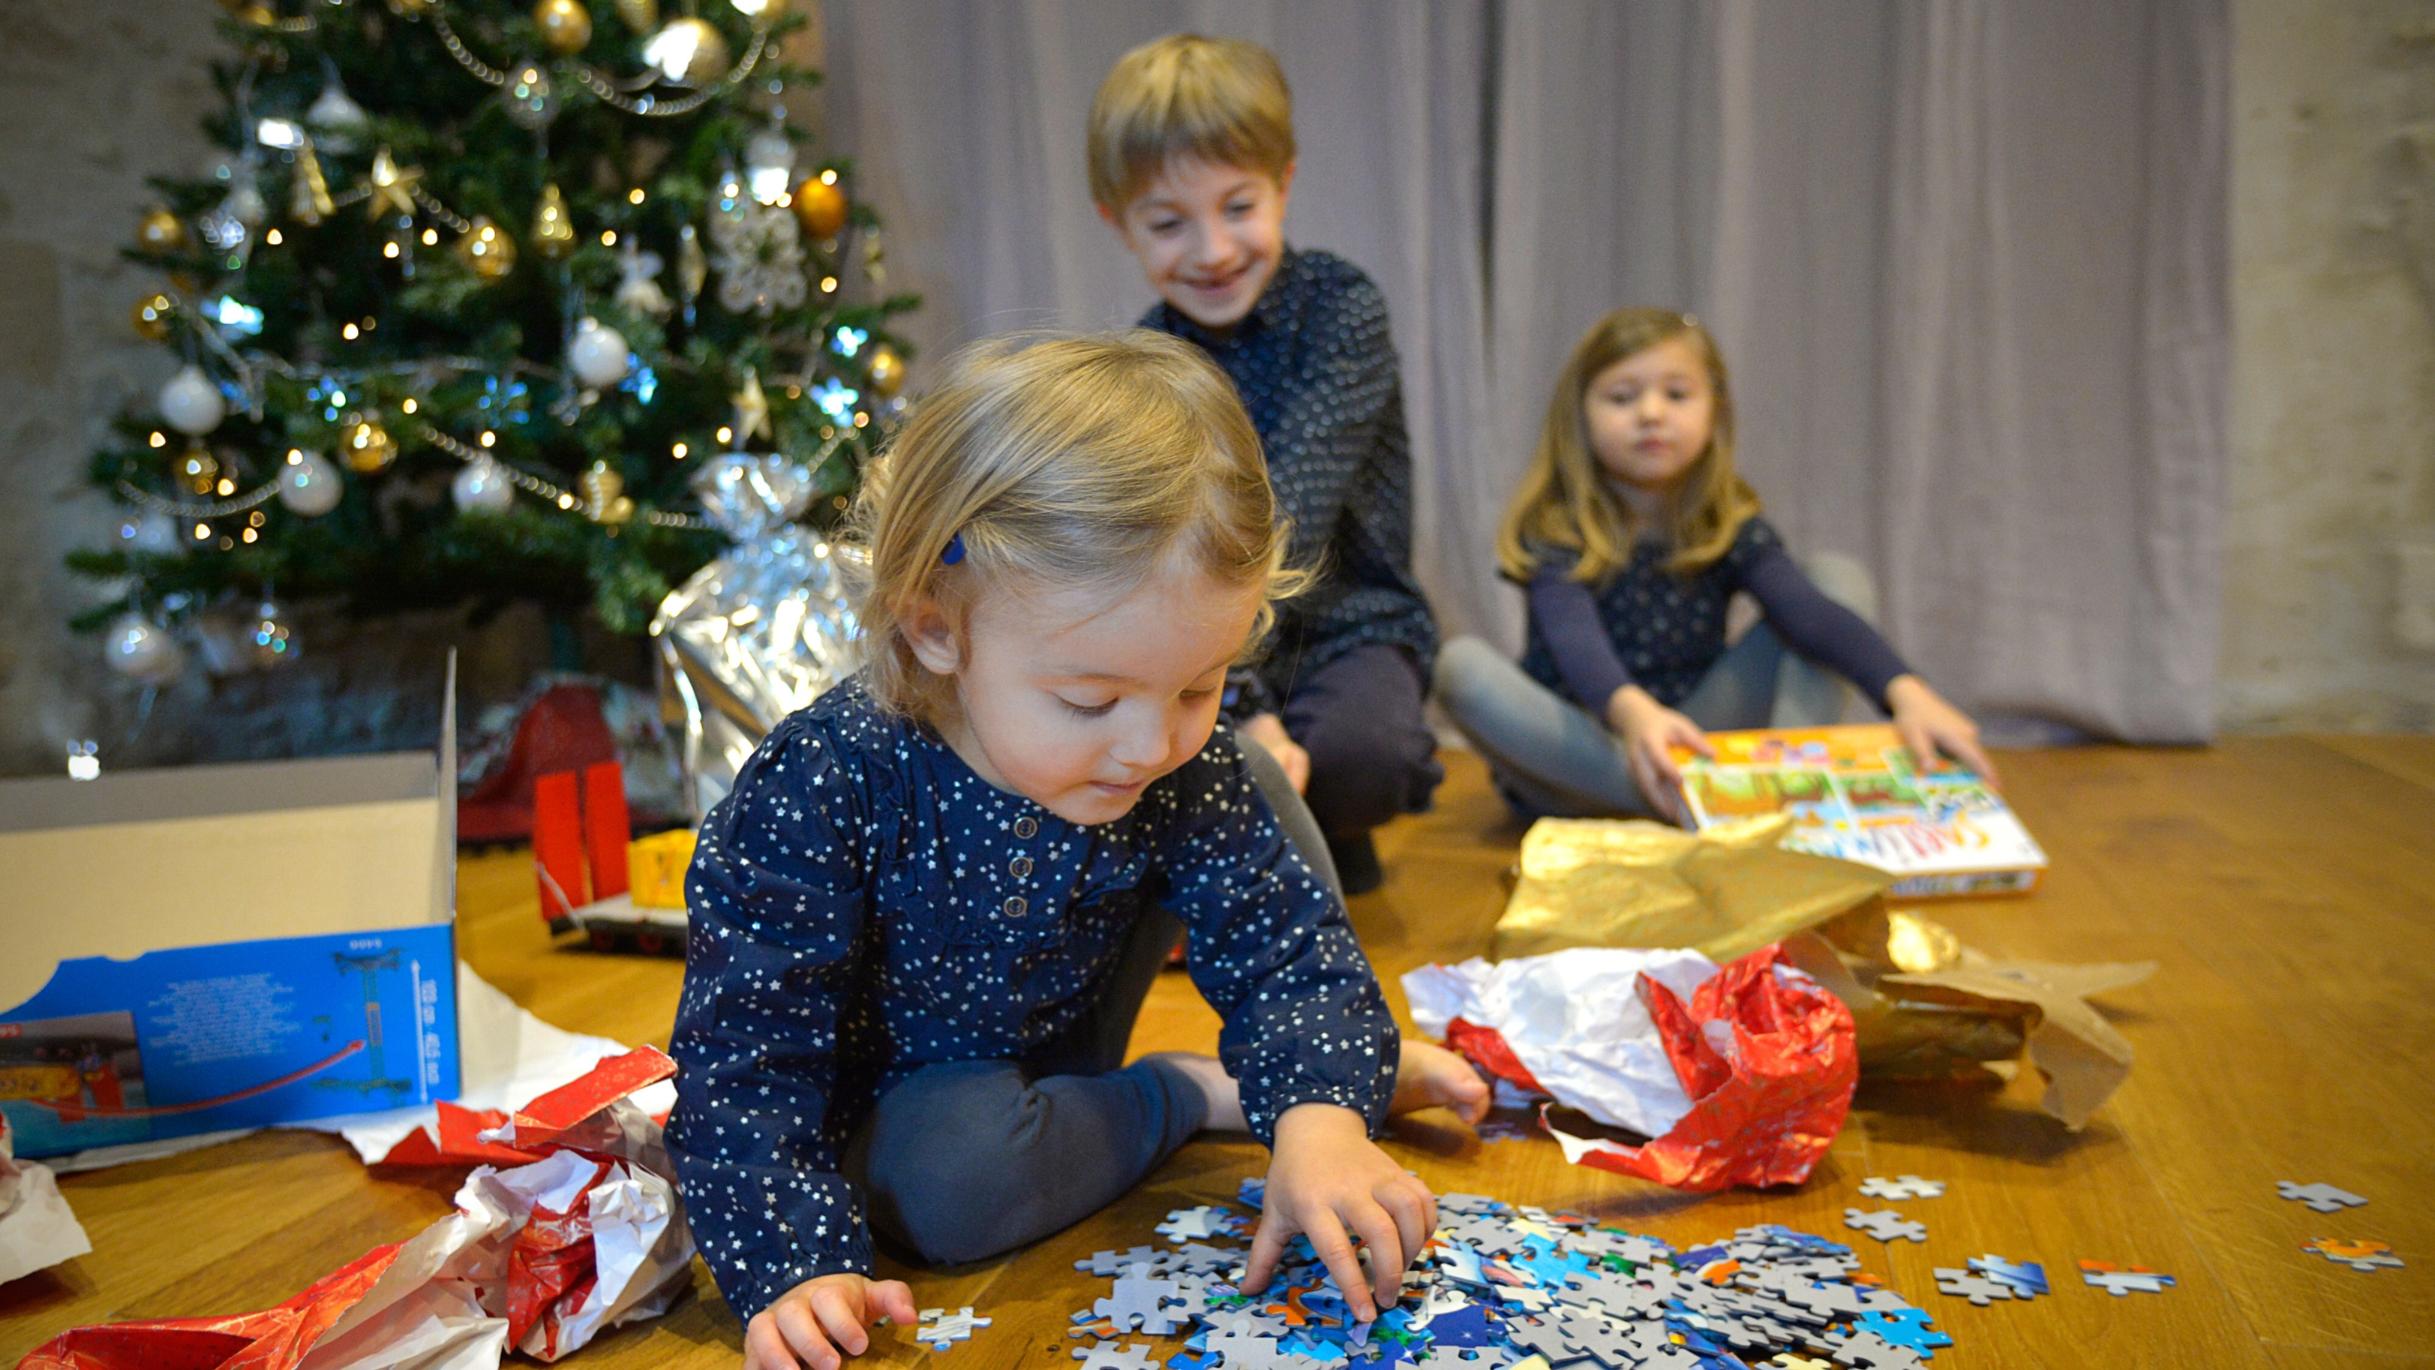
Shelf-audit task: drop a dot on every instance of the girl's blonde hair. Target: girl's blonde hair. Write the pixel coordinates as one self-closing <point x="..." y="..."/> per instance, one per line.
<point x="1565" y="502"/>
<point x="1221" y="100"/>
<point x="1062" y="460"/>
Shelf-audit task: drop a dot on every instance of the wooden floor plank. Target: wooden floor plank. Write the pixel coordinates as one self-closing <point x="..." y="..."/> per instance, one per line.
<point x="2285" y="886"/>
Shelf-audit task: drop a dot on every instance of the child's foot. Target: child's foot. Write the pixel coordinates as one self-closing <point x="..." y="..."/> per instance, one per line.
<point x="1219" y="1092"/>
<point x="1430" y="1075"/>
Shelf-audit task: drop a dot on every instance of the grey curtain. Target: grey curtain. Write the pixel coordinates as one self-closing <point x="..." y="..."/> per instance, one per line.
<point x="1966" y="263"/>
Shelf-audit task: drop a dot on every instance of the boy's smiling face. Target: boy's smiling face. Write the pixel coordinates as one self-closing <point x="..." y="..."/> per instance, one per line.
<point x="1209" y="237"/>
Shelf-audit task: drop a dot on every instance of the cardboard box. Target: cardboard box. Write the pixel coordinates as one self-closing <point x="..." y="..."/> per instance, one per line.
<point x="216" y="947"/>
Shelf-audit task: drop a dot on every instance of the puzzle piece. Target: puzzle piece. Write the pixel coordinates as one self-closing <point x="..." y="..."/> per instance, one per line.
<point x="1107" y="1263"/>
<point x="2120" y="1282"/>
<point x="1902" y="1187"/>
<point x="1904" y="1327"/>
<point x="1885" y="1225"/>
<point x="1865" y="1350"/>
<point x="1140" y="1300"/>
<point x="1966" y="1284"/>
<point x="1791" y="1361"/>
<point x="1186" y="1224"/>
<point x="2028" y="1279"/>
<point x="2324" y="1198"/>
<point x="940" y="1329"/>
<point x="2358" y="1255"/>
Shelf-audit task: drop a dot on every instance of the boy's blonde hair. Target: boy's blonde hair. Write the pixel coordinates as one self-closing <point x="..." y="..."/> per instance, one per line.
<point x="1221" y="100"/>
<point x="1062" y="460"/>
<point x="1565" y="502"/>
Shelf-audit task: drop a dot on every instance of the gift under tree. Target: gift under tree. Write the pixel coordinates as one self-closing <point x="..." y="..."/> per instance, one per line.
<point x="467" y="297"/>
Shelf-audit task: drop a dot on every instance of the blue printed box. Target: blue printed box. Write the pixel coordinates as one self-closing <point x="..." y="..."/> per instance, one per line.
<point x="218" y="947"/>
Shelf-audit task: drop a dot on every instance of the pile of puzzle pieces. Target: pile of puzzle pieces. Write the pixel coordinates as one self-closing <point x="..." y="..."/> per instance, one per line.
<point x="1506" y="1288"/>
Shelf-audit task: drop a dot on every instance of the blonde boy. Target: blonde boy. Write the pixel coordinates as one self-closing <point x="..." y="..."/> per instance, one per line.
<point x="1191" y="150"/>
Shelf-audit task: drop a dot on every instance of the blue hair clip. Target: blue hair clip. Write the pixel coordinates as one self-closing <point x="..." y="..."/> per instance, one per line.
<point x="954" y="552"/>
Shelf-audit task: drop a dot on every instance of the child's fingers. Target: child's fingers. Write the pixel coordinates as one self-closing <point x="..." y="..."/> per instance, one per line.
<point x="895" y="1299"/>
<point x="1969" y="750"/>
<point x="1335" y="1252"/>
<point x="841" y="1317"/>
<point x="1414" y="1221"/>
<point x="803" y="1338"/>
<point x="1381" y="1232"/>
<point x="1267" y="1244"/>
<point x="1689" y="734"/>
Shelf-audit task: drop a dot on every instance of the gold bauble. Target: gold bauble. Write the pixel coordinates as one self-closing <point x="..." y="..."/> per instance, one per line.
<point x="198" y="470"/>
<point x="259" y="15"/>
<point x="565" y="25"/>
<point x="487" y="249"/>
<point x="410" y="9"/>
<point x="642" y="16"/>
<point x="152" y="315"/>
<point x="366" y="446"/>
<point x="687" y="52"/>
<point x="820" y="208"/>
<point x="309" y="193"/>
<point x="604" y="495"/>
<point x="161" y="231"/>
<point x="887" y="372"/>
<point x="553" y="233"/>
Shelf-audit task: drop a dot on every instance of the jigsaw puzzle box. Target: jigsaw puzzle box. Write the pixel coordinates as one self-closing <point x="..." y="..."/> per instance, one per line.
<point x="215" y="947"/>
<point x="1853" y="793"/>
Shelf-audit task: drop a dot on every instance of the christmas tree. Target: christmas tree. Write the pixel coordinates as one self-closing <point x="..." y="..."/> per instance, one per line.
<point x="472" y="293"/>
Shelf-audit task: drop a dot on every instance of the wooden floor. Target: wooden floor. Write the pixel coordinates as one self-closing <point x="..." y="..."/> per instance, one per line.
<point x="2285" y="885"/>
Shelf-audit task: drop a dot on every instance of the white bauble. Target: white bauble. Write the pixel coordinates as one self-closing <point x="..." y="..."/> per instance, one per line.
<point x="309" y="484"/>
<point x="143" y="650"/>
<point x="151" y="533"/>
<point x="597" y="354"/>
<point x="245" y="203"/>
<point x="340" y="121"/>
<point x="482" y="488"/>
<point x="191" y="402"/>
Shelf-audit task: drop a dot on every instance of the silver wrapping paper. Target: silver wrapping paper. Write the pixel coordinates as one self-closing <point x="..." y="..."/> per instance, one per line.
<point x="756" y="634"/>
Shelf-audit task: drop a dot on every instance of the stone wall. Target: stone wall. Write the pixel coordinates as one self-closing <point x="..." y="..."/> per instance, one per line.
<point x="2329" y="613"/>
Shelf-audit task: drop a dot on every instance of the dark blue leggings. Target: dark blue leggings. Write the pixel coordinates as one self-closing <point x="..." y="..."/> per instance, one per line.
<point x="962" y="1161"/>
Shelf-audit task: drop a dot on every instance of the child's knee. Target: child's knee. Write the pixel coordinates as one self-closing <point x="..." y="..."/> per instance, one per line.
<point x="935" y="1180"/>
<point x="1466" y="676"/>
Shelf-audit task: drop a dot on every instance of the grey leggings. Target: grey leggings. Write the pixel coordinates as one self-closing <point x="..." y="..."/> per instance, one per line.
<point x="963" y="1161"/>
<point x="1550" y="757"/>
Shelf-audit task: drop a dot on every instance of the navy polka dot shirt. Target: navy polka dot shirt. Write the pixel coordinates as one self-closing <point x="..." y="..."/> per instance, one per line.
<point x="1647" y="626"/>
<point x="1316" y="367"/>
<point x="863" y="904"/>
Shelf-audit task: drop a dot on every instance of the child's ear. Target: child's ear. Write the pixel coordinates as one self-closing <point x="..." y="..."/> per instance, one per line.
<point x="933" y="638"/>
<point x="1285" y="186"/>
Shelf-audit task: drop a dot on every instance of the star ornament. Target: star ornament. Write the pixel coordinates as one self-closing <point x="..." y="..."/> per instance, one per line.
<point x="752" y="408"/>
<point x="392" y="185"/>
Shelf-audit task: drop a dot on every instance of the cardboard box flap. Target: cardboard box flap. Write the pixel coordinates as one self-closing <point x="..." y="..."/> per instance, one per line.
<point x="140" y="861"/>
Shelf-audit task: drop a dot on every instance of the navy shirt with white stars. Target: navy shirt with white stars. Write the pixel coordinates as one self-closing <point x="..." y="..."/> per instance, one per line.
<point x="1316" y="368"/>
<point x="863" y="904"/>
<point x="1647" y="626"/>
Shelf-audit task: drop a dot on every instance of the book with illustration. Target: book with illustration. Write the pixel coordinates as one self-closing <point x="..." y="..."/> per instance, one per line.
<point x="1854" y="792"/>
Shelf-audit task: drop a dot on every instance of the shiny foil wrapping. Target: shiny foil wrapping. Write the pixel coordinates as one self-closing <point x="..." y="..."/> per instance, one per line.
<point x="759" y="632"/>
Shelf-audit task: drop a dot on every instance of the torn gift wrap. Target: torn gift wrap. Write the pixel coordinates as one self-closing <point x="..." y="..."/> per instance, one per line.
<point x="1757" y="1067"/>
<point x="37" y="1229"/>
<point x="539" y="1256"/>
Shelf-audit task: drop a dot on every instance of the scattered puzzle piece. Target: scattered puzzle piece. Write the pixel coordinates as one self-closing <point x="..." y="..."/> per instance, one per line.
<point x="2358" y="1255"/>
<point x="1902" y="1187"/>
<point x="1967" y="1284"/>
<point x="1905" y="1327"/>
<point x="2324" y="1198"/>
<point x="1134" y="1357"/>
<point x="1885" y="1225"/>
<point x="2028" y="1279"/>
<point x="940" y="1329"/>
<point x="2121" y="1283"/>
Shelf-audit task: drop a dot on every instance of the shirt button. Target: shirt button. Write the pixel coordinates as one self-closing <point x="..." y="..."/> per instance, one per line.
<point x="1020" y="866"/>
<point x="1027" y="826"/>
<point x="1016" y="907"/>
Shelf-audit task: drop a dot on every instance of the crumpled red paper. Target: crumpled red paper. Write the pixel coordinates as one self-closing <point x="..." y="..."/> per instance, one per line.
<point x="1769" y="1059"/>
<point x="539" y="1256"/>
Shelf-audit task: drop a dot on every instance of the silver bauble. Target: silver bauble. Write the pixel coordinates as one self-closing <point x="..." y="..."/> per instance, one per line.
<point x="192" y="402"/>
<point x="143" y="650"/>
<point x="309" y="484"/>
<point x="482" y="488"/>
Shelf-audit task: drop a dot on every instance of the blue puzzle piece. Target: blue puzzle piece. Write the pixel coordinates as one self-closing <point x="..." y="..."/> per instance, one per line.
<point x="1193" y="1360"/>
<point x="1463" y="1327"/>
<point x="1252" y="1193"/>
<point x="2027" y="1279"/>
<point x="1906" y="1327"/>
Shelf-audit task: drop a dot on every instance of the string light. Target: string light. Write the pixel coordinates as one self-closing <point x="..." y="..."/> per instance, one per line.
<point x="726" y="435"/>
<point x="272" y="238"/>
<point x="488" y="438"/>
<point x="608" y="237"/>
<point x="158" y="438"/>
<point x="678" y="451"/>
<point x="431" y="237"/>
<point x="634" y="196"/>
<point x="350" y="332"/>
<point x="410" y="404"/>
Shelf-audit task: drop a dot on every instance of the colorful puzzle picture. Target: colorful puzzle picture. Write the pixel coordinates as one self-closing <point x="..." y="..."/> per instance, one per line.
<point x="1855" y="793"/>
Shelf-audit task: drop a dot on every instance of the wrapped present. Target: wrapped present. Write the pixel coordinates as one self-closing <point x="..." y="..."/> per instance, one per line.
<point x="656" y="867"/>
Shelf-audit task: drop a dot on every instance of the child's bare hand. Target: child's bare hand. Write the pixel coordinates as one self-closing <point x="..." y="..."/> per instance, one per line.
<point x="1269" y="731"/>
<point x="1933" y="728"/>
<point x="1331" y="1182"/>
<point x="1650" y="733"/>
<point x="820" y="1322"/>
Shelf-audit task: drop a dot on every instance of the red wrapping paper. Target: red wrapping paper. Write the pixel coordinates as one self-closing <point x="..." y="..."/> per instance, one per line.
<point x="1762" y="1114"/>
